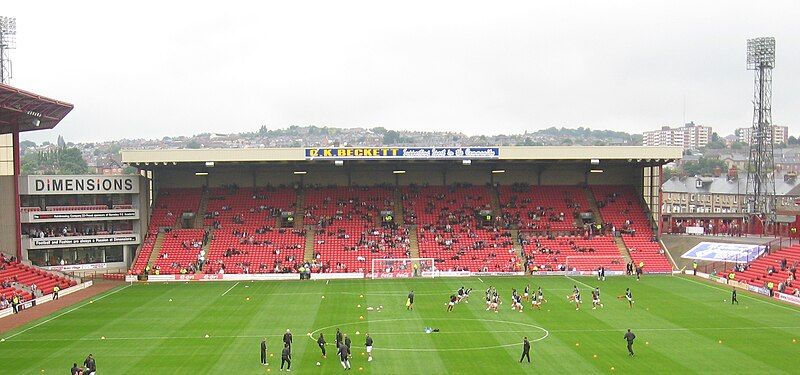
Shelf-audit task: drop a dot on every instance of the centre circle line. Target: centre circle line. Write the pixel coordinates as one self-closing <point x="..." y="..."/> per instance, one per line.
<point x="545" y="331"/>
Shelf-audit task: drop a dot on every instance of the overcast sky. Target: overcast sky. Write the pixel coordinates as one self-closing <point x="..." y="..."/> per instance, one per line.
<point x="151" y="69"/>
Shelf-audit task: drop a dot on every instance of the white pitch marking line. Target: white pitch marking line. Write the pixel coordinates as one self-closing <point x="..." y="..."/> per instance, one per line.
<point x="480" y="279"/>
<point x="673" y="329"/>
<point x="64" y="313"/>
<point x="580" y="282"/>
<point x="229" y="289"/>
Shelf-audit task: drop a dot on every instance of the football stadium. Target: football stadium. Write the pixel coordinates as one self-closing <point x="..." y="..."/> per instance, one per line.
<point x="381" y="260"/>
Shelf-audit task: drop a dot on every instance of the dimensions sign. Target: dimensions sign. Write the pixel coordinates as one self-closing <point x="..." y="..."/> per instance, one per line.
<point x="55" y="185"/>
<point x="403" y="153"/>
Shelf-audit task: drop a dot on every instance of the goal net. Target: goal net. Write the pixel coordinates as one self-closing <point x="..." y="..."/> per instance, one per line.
<point x="403" y="268"/>
<point x="592" y="263"/>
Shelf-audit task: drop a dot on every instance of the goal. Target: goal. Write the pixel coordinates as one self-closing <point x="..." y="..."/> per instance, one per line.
<point x="592" y="262"/>
<point x="403" y="268"/>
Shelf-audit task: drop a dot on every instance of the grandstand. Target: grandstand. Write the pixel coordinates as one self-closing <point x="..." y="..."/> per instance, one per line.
<point x="502" y="209"/>
<point x="778" y="268"/>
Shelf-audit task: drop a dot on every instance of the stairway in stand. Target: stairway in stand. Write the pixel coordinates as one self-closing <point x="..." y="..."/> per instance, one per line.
<point x="300" y="209"/>
<point x="496" y="212"/>
<point x="199" y="216"/>
<point x="309" y="249"/>
<point x="399" y="212"/>
<point x="156" y="249"/>
<point x="623" y="249"/>
<point x="593" y="205"/>
<point x="517" y="246"/>
<point x="413" y="241"/>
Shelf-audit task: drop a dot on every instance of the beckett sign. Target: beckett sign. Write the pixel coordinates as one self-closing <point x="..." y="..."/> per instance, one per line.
<point x="403" y="153"/>
<point x="53" y="185"/>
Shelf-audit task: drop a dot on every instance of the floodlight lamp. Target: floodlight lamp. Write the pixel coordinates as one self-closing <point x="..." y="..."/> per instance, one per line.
<point x="201" y="173"/>
<point x="8" y="25"/>
<point x="399" y="171"/>
<point x="338" y="163"/>
<point x="496" y="171"/>
<point x="466" y="162"/>
<point x="300" y="172"/>
<point x="760" y="53"/>
<point x="595" y="161"/>
<point x="210" y="164"/>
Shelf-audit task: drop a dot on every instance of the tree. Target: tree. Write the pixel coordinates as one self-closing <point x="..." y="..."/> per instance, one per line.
<point x="737" y="145"/>
<point x="391" y="137"/>
<point x="704" y="166"/>
<point x="194" y="144"/>
<point x="792" y="140"/>
<point x="62" y="161"/>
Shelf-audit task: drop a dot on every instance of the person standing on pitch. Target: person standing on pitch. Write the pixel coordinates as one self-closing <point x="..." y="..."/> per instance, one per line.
<point x="321" y="343"/>
<point x="733" y="297"/>
<point x="368" y="344"/>
<point x="410" y="301"/>
<point x="286" y="358"/>
<point x="344" y="354"/>
<point x="264" y="352"/>
<point x="91" y="366"/>
<point x="347" y="343"/>
<point x="629" y="337"/>
<point x="338" y="338"/>
<point x="287" y="338"/>
<point x="526" y="349"/>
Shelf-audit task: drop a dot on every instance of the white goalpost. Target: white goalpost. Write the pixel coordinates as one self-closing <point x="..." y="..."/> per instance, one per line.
<point x="403" y="268"/>
<point x="591" y="263"/>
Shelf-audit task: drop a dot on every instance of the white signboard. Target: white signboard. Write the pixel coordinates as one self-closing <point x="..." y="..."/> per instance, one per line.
<point x="724" y="252"/>
<point x="90" y="184"/>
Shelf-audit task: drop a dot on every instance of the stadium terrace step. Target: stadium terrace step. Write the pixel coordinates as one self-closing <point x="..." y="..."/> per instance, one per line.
<point x="623" y="249"/>
<point x="399" y="211"/>
<point x="199" y="220"/>
<point x="156" y="249"/>
<point x="309" y="244"/>
<point x="413" y="241"/>
<point x="517" y="246"/>
<point x="300" y="209"/>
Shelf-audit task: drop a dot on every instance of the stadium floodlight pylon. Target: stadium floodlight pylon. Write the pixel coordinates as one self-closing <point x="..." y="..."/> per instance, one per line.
<point x="403" y="268"/>
<point x="761" y="162"/>
<point x="8" y="40"/>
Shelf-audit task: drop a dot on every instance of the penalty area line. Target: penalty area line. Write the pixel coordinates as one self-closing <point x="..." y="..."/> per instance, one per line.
<point x="766" y="302"/>
<point x="65" y="313"/>
<point x="580" y="282"/>
<point x="229" y="289"/>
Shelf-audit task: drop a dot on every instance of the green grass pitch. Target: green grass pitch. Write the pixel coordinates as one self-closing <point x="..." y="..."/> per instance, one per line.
<point x="682" y="326"/>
